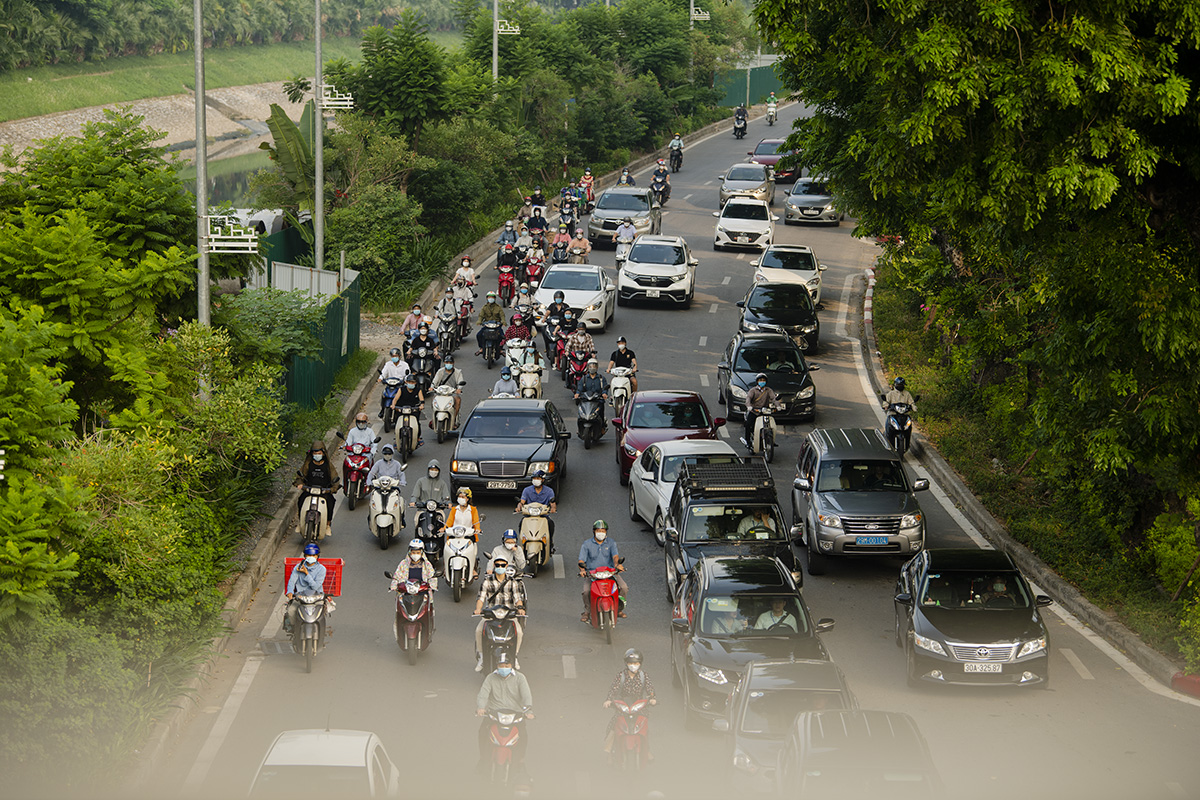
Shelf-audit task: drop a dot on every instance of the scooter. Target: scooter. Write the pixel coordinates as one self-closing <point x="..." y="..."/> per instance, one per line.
<point x="423" y="365"/>
<point x="461" y="559"/>
<point x="499" y="634"/>
<point x="535" y="267"/>
<point x="591" y="418"/>
<point x="549" y="326"/>
<point x="577" y="256"/>
<point x="429" y="530"/>
<point x="621" y="388"/>
<point x="492" y="336"/>
<point x="676" y="159"/>
<point x="390" y="387"/>
<point x="535" y="536"/>
<point x="662" y="191"/>
<point x="408" y="431"/>
<point x="530" y="381"/>
<point x="448" y="330"/>
<point x="314" y="523"/>
<point x="771" y="114"/>
<point x="739" y="128"/>
<point x="308" y="635"/>
<point x="623" y="246"/>
<point x="505" y="732"/>
<point x="444" y="418"/>
<point x="464" y="320"/>
<point x="603" y="600"/>
<point x="763" y="436"/>
<point x="560" y="254"/>
<point x="507" y="283"/>
<point x="386" y="507"/>
<point x="355" y="467"/>
<point x="898" y="427"/>
<point x="574" y="367"/>
<point x="630" y="733"/>
<point x="414" y="624"/>
<point x="514" y="353"/>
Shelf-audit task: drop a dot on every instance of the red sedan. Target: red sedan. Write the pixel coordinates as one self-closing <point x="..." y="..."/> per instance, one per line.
<point x="651" y="417"/>
<point x="768" y="152"/>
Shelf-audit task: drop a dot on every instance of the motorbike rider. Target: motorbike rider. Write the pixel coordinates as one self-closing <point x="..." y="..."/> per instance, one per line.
<point x="630" y="685"/>
<point x="506" y="384"/>
<point x="539" y="492"/>
<point x="530" y="355"/>
<point x="562" y="237"/>
<point x="307" y="579"/>
<point x="318" y="472"/>
<point x="463" y="514"/>
<point x="677" y="144"/>
<point x="395" y="367"/>
<point x="411" y="321"/>
<point x="525" y="211"/>
<point x="592" y="382"/>
<point x="587" y="184"/>
<point x="624" y="357"/>
<point x="625" y="232"/>
<point x="449" y="304"/>
<point x="387" y="466"/>
<point x="465" y="274"/>
<point x="451" y="376"/>
<point x="362" y="433"/>
<point x="523" y="303"/>
<point x="491" y="312"/>
<point x="508" y="235"/>
<point x="424" y="338"/>
<point x="661" y="171"/>
<point x="626" y="178"/>
<point x="414" y="567"/>
<point x="503" y="689"/>
<point x="538" y="224"/>
<point x="518" y="329"/>
<point x="582" y="242"/>
<point x="596" y="553"/>
<point x="537" y="198"/>
<point x="579" y="341"/>
<point x="411" y="396"/>
<point x="524" y="239"/>
<point x="508" y="551"/>
<point x="500" y="588"/>
<point x="740" y="112"/>
<point x="898" y="394"/>
<point x="759" y="397"/>
<point x="431" y="486"/>
<point x="772" y="104"/>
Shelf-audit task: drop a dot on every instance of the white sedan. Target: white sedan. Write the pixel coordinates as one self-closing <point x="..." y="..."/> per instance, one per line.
<point x="652" y="476"/>
<point x="326" y="763"/>
<point x="586" y="288"/>
<point x="790" y="263"/>
<point x="744" y="222"/>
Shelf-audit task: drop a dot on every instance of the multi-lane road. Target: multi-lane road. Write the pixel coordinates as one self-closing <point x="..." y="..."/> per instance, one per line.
<point x="1102" y="730"/>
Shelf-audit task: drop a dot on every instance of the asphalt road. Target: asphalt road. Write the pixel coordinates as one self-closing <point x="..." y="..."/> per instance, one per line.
<point x="1097" y="732"/>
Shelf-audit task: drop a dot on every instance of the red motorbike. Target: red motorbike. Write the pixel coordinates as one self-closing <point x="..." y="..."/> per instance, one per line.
<point x="414" y="626"/>
<point x="535" y="267"/>
<point x="603" y="600"/>
<point x="507" y="283"/>
<point x="355" y="467"/>
<point x="505" y="733"/>
<point x="631" y="726"/>
<point x="575" y="367"/>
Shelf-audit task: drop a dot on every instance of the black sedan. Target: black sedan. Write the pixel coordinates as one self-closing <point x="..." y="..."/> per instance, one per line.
<point x="504" y="441"/>
<point x="732" y="610"/>
<point x="787" y="373"/>
<point x="782" y="308"/>
<point x="968" y="616"/>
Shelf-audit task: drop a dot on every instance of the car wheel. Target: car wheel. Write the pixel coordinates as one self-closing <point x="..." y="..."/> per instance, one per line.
<point x="910" y="668"/>
<point x="670" y="569"/>
<point x="621" y="301"/>
<point x="716" y="246"/>
<point x="633" y="514"/>
<point x="816" y="561"/>
<point x="660" y="529"/>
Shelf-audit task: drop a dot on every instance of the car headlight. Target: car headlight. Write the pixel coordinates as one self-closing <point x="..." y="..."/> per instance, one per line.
<point x="829" y="520"/>
<point x="464" y="466"/>
<point x="910" y="520"/>
<point x="641" y="222"/>
<point x="751" y="326"/>
<point x="1031" y="647"/>
<point x="709" y="674"/>
<point x="594" y="307"/>
<point x="806" y="393"/>
<point x="793" y="205"/>
<point x="633" y="276"/>
<point x="828" y="207"/>
<point x="814" y="282"/>
<point x="738" y="392"/>
<point x="925" y="643"/>
<point x="544" y="466"/>
<point x="630" y="450"/>
<point x="681" y="275"/>
<point x="808" y="328"/>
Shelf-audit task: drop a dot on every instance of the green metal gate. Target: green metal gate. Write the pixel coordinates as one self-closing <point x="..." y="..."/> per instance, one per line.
<point x="308" y="381"/>
<point x="763" y="81"/>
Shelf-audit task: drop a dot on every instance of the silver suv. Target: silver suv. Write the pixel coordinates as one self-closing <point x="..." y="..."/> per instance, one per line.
<point x="619" y="202"/>
<point x="852" y="497"/>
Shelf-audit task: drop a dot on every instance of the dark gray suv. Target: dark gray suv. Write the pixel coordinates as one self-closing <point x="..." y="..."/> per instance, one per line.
<point x="852" y="497"/>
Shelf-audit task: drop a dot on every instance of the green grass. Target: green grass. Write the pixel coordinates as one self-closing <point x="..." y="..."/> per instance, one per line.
<point x="65" y="87"/>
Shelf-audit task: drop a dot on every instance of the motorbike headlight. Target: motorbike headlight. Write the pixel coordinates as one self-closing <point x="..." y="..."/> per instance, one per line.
<point x="1031" y="647"/>
<point x="910" y="520"/>
<point x="830" y="520"/>
<point x="709" y="674"/>
<point x="806" y="393"/>
<point x="464" y="466"/>
<point x="737" y="392"/>
<point x="544" y="466"/>
<point x="925" y="643"/>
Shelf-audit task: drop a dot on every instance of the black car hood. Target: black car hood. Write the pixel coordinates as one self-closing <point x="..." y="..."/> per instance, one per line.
<point x="781" y="316"/>
<point x="497" y="449"/>
<point x="977" y="626"/>
<point x="735" y="653"/>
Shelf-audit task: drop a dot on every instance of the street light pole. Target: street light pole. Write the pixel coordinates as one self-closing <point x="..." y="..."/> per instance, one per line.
<point x="495" y="41"/>
<point x="319" y="159"/>
<point x="202" y="278"/>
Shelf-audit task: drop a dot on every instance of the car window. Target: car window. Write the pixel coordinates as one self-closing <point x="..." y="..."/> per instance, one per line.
<point x="722" y="523"/>
<point x="746" y="211"/>
<point x="810" y="188"/>
<point x="752" y="614"/>
<point x="747" y="172"/>
<point x="789" y="259"/>
<point x="779" y="297"/>
<point x="622" y="202"/>
<point x="648" y="460"/>
<point x="513" y="425"/>
<point x="572" y="280"/>
<point x="378" y="777"/>
<point x="768" y="359"/>
<point x="807" y="459"/>
<point x="861" y="475"/>
<point x="656" y="253"/>
<point x="974" y="590"/>
<point x="773" y="713"/>
<point x="668" y="415"/>
<point x="766" y="148"/>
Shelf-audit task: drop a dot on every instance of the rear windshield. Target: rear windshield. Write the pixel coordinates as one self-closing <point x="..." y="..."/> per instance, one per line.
<point x="747" y="172"/>
<point x="671" y="465"/>
<point x="773" y="713"/>
<point x="646" y="253"/>
<point x="861" y="475"/>
<point x="668" y="415"/>
<point x="622" y="202"/>
<point x="789" y="259"/>
<point x="746" y="211"/>
<point x="726" y="523"/>
<point x="515" y="425"/>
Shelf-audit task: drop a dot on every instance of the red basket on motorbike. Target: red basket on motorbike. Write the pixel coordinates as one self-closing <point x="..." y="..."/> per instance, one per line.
<point x="333" y="573"/>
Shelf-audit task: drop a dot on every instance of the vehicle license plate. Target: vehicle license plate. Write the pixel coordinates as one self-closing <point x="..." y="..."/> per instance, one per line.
<point x="652" y="293"/>
<point x="981" y="667"/>
<point x="743" y="239"/>
<point x="811" y="212"/>
<point x="870" y="540"/>
<point x="502" y="484"/>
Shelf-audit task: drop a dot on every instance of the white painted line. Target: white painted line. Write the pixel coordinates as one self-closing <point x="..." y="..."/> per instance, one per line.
<point x="847" y="288"/>
<point x="1176" y="789"/>
<point x="723" y="431"/>
<point x="220" y="729"/>
<point x="664" y="213"/>
<point x="712" y="309"/>
<point x="557" y="561"/>
<point x="725" y="281"/>
<point x="704" y="380"/>
<point x="708" y="183"/>
<point x="1070" y="656"/>
<point x="703" y="341"/>
<point x="688" y="196"/>
<point x="569" y="667"/>
<point x="741" y="256"/>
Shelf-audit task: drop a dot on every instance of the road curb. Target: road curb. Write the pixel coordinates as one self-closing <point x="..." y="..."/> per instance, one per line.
<point x="258" y="566"/>
<point x="1159" y="666"/>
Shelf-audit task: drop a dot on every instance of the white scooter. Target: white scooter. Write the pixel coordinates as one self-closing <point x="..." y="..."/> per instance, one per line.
<point x="386" y="503"/>
<point x="314" y="521"/>
<point x="408" y="431"/>
<point x="461" y="558"/>
<point x="514" y="353"/>
<point x="623" y="247"/>
<point x="535" y="537"/>
<point x="445" y="419"/>
<point x="621" y="388"/>
<point x="530" y="381"/>
<point x="763" y="438"/>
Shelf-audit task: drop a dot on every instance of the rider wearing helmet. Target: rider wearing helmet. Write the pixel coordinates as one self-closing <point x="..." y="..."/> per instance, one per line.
<point x="307" y="579"/>
<point x="394" y="367"/>
<point x="319" y="472"/>
<point x="463" y="514"/>
<point x="661" y="172"/>
<point x="592" y="382"/>
<point x="491" y="312"/>
<point x="449" y="375"/>
<point x="508" y="551"/>
<point x="630" y="685"/>
<point x="506" y="384"/>
<point x="539" y="492"/>
<point x="500" y="588"/>
<point x="757" y="398"/>
<point x="518" y="329"/>
<point x="624" y="357"/>
<point x="676" y="144"/>
<point x="596" y="553"/>
<point x="625" y="232"/>
<point x="414" y="567"/>
<point x="626" y="178"/>
<point x="899" y="394"/>
<point x="582" y="243"/>
<point x="580" y="341"/>
<point x="387" y="466"/>
<point x="562" y="237"/>
<point x="508" y="235"/>
<point x="363" y="434"/>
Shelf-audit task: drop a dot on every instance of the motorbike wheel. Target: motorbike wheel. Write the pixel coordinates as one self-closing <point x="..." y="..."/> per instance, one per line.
<point x="352" y="494"/>
<point x="618" y="405"/>
<point x="309" y="646"/>
<point x="533" y="565"/>
<point x="405" y="444"/>
<point x="768" y="446"/>
<point x="441" y="431"/>
<point x="901" y="445"/>
<point x="456" y="581"/>
<point x="587" y="439"/>
<point x="310" y="532"/>
<point x="491" y="358"/>
<point x="610" y="623"/>
<point x="410" y="650"/>
<point x="385" y="537"/>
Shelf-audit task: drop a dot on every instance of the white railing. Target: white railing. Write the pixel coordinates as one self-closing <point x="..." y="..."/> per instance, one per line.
<point x="288" y="277"/>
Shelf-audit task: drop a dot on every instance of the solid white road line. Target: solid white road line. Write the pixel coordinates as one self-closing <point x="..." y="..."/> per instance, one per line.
<point x="741" y="256"/>
<point x="704" y="380"/>
<point x="557" y="561"/>
<point x="1070" y="656"/>
<point x="569" y="667"/>
<point x="688" y="196"/>
<point x="723" y="431"/>
<point x="703" y="341"/>
<point x="712" y="309"/>
<point x="220" y="729"/>
<point x="708" y="183"/>
<point x="725" y="281"/>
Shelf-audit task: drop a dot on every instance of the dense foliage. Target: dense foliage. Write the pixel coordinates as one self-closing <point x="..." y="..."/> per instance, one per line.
<point x="1040" y="162"/>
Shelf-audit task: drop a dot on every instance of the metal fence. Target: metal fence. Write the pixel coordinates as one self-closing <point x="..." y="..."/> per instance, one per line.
<point x="309" y="380"/>
<point x="763" y="81"/>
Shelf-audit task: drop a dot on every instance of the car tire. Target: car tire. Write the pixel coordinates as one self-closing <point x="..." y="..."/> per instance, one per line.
<point x="816" y="561"/>
<point x="660" y="529"/>
<point x="621" y="301"/>
<point x="1045" y="684"/>
<point x="716" y="247"/>
<point x="633" y="515"/>
<point x="721" y="398"/>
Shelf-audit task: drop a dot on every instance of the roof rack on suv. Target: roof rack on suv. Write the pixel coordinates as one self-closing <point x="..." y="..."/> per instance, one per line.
<point x="747" y="475"/>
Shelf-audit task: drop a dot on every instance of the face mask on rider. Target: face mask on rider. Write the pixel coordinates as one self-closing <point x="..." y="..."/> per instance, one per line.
<point x="433" y="473"/>
<point x="510" y="545"/>
<point x="318" y="457"/>
<point x="466" y="263"/>
<point x="462" y="501"/>
<point x="762" y="384"/>
<point x="633" y="667"/>
<point x="620" y="347"/>
<point x="310" y="559"/>
<point x="504" y="672"/>
<point x="449" y="368"/>
<point x="387" y="456"/>
<point x="524" y="291"/>
<point x="537" y="482"/>
<point x="601" y="535"/>
<point x="362" y="426"/>
<point x="395" y="359"/>
<point x="491" y="300"/>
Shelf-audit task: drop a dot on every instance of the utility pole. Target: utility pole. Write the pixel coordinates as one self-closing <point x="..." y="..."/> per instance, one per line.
<point x="495" y="41"/>
<point x="203" y="304"/>
<point x="319" y="159"/>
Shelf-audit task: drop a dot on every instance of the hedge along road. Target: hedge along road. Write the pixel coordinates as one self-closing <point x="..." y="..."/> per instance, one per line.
<point x="1096" y="732"/>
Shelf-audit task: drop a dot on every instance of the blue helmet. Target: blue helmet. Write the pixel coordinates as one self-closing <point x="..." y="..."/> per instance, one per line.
<point x="509" y="534"/>
<point x="311" y="549"/>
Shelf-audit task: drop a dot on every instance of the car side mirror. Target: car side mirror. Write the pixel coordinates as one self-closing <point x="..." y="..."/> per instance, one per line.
<point x="716" y="213"/>
<point x="671" y="534"/>
<point x="656" y="204"/>
<point x="722" y="365"/>
<point x="775" y="217"/>
<point x="740" y="303"/>
<point x="1043" y="600"/>
<point x="749" y="152"/>
<point x="920" y="485"/>
<point x="721" y="725"/>
<point x="721" y="177"/>
<point x="719" y="421"/>
<point x="610" y="286"/>
<point x="617" y="423"/>
<point x="648" y="477"/>
<point x="802" y="484"/>
<point x="821" y="267"/>
<point x="904" y="599"/>
<point x="679" y="625"/>
<point x="693" y="261"/>
<point x="825" y="624"/>
<point x="564" y="435"/>
<point x="756" y="262"/>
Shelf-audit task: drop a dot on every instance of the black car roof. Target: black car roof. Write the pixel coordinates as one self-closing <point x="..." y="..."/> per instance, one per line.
<point x="764" y="338"/>
<point x="804" y="673"/>
<point x="852" y="443"/>
<point x="844" y="735"/>
<point x="952" y="558"/>
<point x="746" y="574"/>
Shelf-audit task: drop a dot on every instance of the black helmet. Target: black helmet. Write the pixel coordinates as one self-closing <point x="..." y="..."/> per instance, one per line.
<point x="449" y="359"/>
<point x="621" y="339"/>
<point x="899" y="384"/>
<point x="633" y="656"/>
<point x="395" y="351"/>
<point x="559" y="297"/>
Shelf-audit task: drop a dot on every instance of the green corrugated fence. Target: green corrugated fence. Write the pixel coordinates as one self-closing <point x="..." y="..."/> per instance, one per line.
<point x="308" y="381"/>
<point x="763" y="81"/>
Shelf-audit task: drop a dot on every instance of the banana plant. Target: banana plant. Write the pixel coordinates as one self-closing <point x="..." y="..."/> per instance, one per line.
<point x="293" y="149"/>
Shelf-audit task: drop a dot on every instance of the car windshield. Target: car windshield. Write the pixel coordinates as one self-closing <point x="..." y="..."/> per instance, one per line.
<point x="768" y="359"/>
<point x="668" y="415"/>
<point x="780" y="297"/>
<point x="671" y="464"/>
<point x="752" y="614"/>
<point x="747" y="172"/>
<point x="725" y="523"/>
<point x="772" y="713"/>
<point x="506" y="425"/>
<point x="572" y="280"/>
<point x="300" y="779"/>
<point x="810" y="188"/>
<point x="974" y="590"/>
<point x="789" y="259"/>
<point x="767" y="148"/>
<point x="861" y="475"/>
<point x="745" y="211"/>
<point x="622" y="202"/>
<point x="646" y="253"/>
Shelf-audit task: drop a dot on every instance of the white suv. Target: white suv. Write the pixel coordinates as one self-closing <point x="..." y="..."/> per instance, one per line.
<point x="790" y="263"/>
<point x="744" y="222"/>
<point x="657" y="268"/>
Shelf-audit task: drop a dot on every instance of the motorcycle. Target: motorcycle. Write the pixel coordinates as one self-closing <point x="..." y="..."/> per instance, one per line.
<point x="530" y="381"/>
<point x="444" y="418"/>
<point x="390" y="387"/>
<point x="535" y="267"/>
<point x="771" y="114"/>
<point x="661" y="189"/>
<point x="499" y="634"/>
<point x="765" y="430"/>
<point x="460" y="558"/>
<point x="464" y="321"/>
<point x="621" y="388"/>
<point x="423" y="365"/>
<point x="591" y="419"/>
<point x="514" y="353"/>
<point x="355" y="467"/>
<point x="560" y="254"/>
<point x="676" y="159"/>
<point x="492" y="336"/>
<point x="414" y="624"/>
<point x="505" y="732"/>
<point x="535" y="536"/>
<point x="408" y="431"/>
<point x="464" y="291"/>
<point x="429" y="530"/>
<point x="314" y="523"/>
<point x="739" y="128"/>
<point x="386" y="503"/>
<point x="574" y="367"/>
<point x="630" y="733"/>
<point x="603" y="600"/>
<point x="623" y="246"/>
<point x="448" y="329"/>
<point x="898" y="427"/>
<point x="308" y="636"/>
<point x="549" y="325"/>
<point x="507" y="283"/>
<point x="577" y="255"/>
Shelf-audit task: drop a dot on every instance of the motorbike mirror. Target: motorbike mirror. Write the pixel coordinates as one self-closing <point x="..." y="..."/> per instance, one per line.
<point x="883" y="397"/>
<point x="904" y="599"/>
<point x="721" y="725"/>
<point x="814" y="367"/>
<point x="387" y="574"/>
<point x="462" y="383"/>
<point x="825" y="624"/>
<point x="378" y="439"/>
<point x="339" y="434"/>
<point x="917" y="398"/>
<point x="920" y="485"/>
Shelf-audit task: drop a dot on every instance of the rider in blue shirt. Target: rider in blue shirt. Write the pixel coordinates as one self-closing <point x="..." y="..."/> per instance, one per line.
<point x="597" y="552"/>
<point x="540" y="493"/>
<point x="307" y="579"/>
